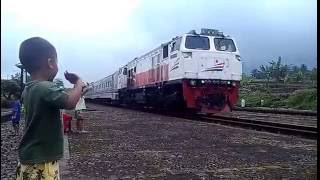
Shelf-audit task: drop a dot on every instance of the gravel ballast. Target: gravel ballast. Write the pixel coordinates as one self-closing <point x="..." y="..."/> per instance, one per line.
<point x="127" y="144"/>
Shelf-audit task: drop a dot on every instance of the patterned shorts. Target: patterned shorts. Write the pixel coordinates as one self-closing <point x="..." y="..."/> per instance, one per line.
<point x="46" y="171"/>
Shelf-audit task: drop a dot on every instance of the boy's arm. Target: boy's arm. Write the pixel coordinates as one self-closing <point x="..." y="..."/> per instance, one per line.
<point x="85" y="90"/>
<point x="58" y="97"/>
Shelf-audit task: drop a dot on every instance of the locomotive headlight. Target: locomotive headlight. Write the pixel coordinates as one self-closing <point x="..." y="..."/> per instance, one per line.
<point x="229" y="82"/>
<point x="193" y="82"/>
<point x="234" y="83"/>
<point x="202" y="81"/>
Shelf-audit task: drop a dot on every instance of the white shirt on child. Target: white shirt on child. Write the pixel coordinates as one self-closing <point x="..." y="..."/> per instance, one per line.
<point x="81" y="104"/>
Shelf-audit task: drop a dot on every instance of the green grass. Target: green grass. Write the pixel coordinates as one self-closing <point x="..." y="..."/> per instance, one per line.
<point x="301" y="99"/>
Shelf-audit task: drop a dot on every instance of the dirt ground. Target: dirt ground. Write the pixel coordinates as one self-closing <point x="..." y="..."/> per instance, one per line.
<point x="127" y="144"/>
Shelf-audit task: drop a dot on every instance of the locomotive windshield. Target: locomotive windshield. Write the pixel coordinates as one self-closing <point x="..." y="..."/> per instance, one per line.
<point x="197" y="42"/>
<point x="222" y="44"/>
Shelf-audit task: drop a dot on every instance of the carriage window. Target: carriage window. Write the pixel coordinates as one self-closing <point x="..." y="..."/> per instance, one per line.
<point x="197" y="42"/>
<point x="124" y="71"/>
<point x="134" y="69"/>
<point x="173" y="47"/>
<point x="176" y="45"/>
<point x="165" y="51"/>
<point x="222" y="44"/>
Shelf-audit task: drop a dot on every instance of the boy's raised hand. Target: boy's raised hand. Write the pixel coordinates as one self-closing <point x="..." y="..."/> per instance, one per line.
<point x="71" y="77"/>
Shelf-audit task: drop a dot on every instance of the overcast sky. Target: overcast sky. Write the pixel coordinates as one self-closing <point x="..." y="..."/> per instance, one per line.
<point x="94" y="38"/>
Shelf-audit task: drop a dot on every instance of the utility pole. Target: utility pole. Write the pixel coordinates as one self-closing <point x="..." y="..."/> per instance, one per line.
<point x="20" y="66"/>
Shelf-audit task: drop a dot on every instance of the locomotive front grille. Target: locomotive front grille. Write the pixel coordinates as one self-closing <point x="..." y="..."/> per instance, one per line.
<point x="216" y="101"/>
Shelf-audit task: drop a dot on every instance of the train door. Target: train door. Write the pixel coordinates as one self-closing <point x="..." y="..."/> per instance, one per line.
<point x="165" y="56"/>
<point x="174" y="59"/>
<point x="122" y="78"/>
<point x="134" y="70"/>
<point x="131" y="77"/>
<point x="158" y="68"/>
<point x="153" y="68"/>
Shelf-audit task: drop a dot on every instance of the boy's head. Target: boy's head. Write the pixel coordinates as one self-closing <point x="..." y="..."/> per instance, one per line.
<point x="38" y="56"/>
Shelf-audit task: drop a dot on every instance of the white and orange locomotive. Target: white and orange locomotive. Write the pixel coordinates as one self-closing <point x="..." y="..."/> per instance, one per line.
<point x="193" y="71"/>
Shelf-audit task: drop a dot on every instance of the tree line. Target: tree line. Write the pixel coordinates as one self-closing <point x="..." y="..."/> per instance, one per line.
<point x="279" y="72"/>
<point x="13" y="85"/>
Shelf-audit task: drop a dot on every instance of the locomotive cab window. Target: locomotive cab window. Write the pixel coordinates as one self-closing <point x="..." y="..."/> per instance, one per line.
<point x="197" y="42"/>
<point x="222" y="44"/>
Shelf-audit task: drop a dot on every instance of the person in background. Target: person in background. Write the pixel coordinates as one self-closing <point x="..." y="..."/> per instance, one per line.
<point x="67" y="118"/>
<point x="80" y="107"/>
<point x="42" y="143"/>
<point x="16" y="111"/>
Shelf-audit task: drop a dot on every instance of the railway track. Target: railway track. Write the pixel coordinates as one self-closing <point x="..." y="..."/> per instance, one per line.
<point x="280" y="127"/>
<point x="306" y="131"/>
<point x="309" y="132"/>
<point x="5" y="115"/>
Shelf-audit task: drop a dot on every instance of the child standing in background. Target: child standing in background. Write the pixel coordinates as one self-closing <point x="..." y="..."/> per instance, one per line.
<point x="16" y="111"/>
<point x="80" y="107"/>
<point x="66" y="122"/>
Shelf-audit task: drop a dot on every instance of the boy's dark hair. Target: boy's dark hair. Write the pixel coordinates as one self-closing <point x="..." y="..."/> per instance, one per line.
<point x="34" y="52"/>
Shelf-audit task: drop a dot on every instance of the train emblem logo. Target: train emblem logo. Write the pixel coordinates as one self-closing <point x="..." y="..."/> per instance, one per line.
<point x="216" y="67"/>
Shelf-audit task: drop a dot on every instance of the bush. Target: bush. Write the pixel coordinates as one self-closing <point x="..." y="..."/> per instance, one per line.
<point x="303" y="99"/>
<point x="300" y="99"/>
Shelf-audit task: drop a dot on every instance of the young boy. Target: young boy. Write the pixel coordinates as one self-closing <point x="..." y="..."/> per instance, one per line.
<point x="42" y="143"/>
<point x="16" y="110"/>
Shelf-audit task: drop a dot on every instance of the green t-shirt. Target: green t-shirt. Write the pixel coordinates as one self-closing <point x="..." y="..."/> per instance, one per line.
<point x="43" y="135"/>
